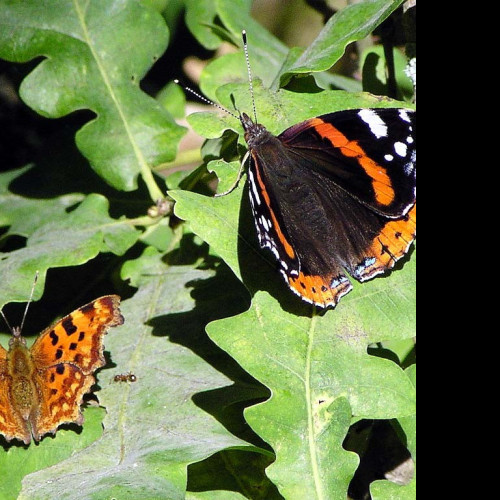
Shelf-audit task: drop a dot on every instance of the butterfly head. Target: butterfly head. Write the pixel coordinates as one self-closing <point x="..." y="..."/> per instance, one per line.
<point x="254" y="132"/>
<point x="17" y="338"/>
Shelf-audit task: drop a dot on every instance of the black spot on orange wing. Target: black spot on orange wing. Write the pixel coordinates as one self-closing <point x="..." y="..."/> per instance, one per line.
<point x="54" y="337"/>
<point x="322" y="291"/>
<point x="87" y="309"/>
<point x="68" y="326"/>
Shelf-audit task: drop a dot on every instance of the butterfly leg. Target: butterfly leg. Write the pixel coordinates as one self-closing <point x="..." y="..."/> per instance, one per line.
<point x="238" y="178"/>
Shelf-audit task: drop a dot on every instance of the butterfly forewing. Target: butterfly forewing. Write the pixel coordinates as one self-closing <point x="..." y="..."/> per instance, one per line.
<point x="78" y="338"/>
<point x="369" y="153"/>
<point x="271" y="232"/>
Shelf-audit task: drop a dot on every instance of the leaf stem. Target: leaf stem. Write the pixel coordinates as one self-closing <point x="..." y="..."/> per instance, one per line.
<point x="145" y="220"/>
<point x="148" y="178"/>
<point x="183" y="158"/>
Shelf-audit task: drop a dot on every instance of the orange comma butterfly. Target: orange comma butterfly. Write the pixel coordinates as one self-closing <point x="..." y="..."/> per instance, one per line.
<point x="42" y="387"/>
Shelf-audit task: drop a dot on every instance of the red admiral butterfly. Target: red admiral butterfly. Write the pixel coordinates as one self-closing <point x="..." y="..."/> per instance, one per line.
<point x="334" y="193"/>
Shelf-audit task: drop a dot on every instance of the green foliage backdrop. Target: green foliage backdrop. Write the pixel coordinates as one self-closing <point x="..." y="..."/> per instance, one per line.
<point x="242" y="391"/>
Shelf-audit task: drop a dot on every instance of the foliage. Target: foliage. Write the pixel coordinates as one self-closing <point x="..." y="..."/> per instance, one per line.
<point x="242" y="391"/>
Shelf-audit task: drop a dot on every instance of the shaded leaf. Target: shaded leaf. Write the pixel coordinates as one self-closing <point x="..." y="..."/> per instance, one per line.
<point x="267" y="53"/>
<point x="199" y="15"/>
<point x="385" y="490"/>
<point x="233" y="471"/>
<point x="152" y="428"/>
<point x="374" y="67"/>
<point x="409" y="424"/>
<point x="68" y="241"/>
<point x="24" y="215"/>
<point x="310" y="365"/>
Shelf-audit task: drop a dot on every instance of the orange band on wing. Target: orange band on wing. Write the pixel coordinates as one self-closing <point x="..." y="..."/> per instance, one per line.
<point x="288" y="248"/>
<point x="382" y="185"/>
<point x="323" y="291"/>
<point x="391" y="244"/>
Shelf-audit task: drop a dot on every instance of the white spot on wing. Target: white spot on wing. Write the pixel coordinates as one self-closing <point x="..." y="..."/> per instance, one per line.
<point x="401" y="149"/>
<point x="254" y="187"/>
<point x="403" y="114"/>
<point x="373" y="120"/>
<point x="264" y="223"/>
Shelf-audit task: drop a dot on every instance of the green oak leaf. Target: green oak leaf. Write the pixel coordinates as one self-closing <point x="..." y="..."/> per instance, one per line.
<point x="70" y="240"/>
<point x="354" y="22"/>
<point x="88" y="64"/>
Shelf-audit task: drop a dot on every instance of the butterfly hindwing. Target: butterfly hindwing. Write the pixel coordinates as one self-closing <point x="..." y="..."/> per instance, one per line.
<point x="62" y="387"/>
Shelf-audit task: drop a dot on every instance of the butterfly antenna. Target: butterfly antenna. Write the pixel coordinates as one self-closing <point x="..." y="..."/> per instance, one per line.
<point x="247" y="59"/>
<point x="29" y="301"/>
<point x="17" y="331"/>
<point x="208" y="101"/>
<point x="6" y="322"/>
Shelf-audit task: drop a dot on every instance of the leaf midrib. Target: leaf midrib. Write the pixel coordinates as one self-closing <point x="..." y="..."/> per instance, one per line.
<point x="146" y="173"/>
<point x="310" y="418"/>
